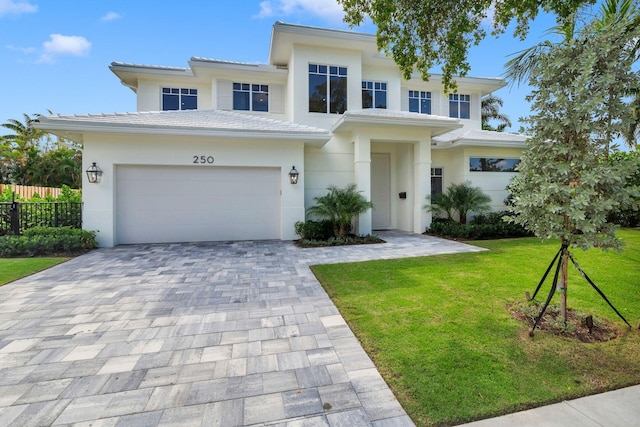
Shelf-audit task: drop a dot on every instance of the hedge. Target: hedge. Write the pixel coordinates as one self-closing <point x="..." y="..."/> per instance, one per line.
<point x="39" y="241"/>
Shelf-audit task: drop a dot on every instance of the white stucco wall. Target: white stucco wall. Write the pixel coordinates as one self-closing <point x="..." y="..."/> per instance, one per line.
<point x="110" y="150"/>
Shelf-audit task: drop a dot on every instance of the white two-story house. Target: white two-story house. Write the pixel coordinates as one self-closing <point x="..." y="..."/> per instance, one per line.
<point x="208" y="155"/>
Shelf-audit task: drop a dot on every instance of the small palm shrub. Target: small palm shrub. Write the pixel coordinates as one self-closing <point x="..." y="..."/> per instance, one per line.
<point x="340" y="206"/>
<point x="461" y="199"/>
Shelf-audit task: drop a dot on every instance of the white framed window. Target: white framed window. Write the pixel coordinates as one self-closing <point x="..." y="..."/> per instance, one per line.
<point x="250" y="97"/>
<point x="420" y="101"/>
<point x="374" y="94"/>
<point x="179" y="99"/>
<point x="327" y="89"/>
<point x="492" y="164"/>
<point x="459" y="106"/>
<point x="437" y="180"/>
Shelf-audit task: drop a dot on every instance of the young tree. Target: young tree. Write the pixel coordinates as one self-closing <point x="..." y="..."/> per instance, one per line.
<point x="490" y="111"/>
<point x="566" y="185"/>
<point x="420" y="34"/>
<point x="461" y="199"/>
<point x="340" y="206"/>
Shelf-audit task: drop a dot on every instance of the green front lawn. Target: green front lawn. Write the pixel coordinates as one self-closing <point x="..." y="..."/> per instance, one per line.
<point x="14" y="268"/>
<point x="438" y="330"/>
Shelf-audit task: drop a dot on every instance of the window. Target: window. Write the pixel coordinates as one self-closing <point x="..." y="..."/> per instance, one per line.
<point x="179" y="99"/>
<point x="459" y="106"/>
<point x="483" y="164"/>
<point x="250" y="97"/>
<point x="327" y="83"/>
<point x="420" y="102"/>
<point x="436" y="181"/>
<point x="374" y="95"/>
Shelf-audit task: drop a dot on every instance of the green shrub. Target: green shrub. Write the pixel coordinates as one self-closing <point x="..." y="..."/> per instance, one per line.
<point x="481" y="227"/>
<point x="314" y="230"/>
<point x="47" y="241"/>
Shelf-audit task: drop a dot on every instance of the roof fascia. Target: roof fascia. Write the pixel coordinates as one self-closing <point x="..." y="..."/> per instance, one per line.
<point x="317" y="139"/>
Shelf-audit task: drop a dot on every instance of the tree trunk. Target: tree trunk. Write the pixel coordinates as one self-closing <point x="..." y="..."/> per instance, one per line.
<point x="564" y="271"/>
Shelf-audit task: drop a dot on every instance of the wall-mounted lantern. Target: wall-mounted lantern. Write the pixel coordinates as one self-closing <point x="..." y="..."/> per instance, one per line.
<point x="293" y="175"/>
<point x="94" y="173"/>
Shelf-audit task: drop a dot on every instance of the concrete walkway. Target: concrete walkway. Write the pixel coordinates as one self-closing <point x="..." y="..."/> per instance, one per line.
<point x="211" y="334"/>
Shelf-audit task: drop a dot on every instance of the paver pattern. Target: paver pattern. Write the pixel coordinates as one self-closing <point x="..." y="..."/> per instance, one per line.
<point x="201" y="334"/>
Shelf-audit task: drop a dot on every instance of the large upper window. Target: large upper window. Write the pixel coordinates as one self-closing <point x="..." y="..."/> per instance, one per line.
<point x="459" y="106"/>
<point x="484" y="164"/>
<point x="179" y="99"/>
<point x="374" y="95"/>
<point x="250" y="97"/>
<point x="420" y="102"/>
<point x="327" y="89"/>
<point x="436" y="181"/>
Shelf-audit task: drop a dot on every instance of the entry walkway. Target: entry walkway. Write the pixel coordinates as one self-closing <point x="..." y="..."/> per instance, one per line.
<point x="237" y="333"/>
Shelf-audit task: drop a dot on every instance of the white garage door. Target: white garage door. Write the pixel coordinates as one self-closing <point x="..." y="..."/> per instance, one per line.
<point x="161" y="204"/>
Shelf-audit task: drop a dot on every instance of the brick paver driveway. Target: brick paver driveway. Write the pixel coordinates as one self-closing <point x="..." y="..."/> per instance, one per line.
<point x="227" y="334"/>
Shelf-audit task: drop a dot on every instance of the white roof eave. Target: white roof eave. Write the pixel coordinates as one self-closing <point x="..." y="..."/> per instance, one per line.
<point x="312" y="139"/>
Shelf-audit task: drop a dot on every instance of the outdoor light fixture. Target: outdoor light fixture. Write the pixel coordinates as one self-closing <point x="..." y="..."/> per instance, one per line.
<point x="293" y="175"/>
<point x="94" y="173"/>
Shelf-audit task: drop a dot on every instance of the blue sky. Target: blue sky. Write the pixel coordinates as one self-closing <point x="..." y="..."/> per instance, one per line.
<point x="54" y="54"/>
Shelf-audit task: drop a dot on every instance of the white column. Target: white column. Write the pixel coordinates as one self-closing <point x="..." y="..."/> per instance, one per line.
<point x="422" y="184"/>
<point x="362" y="166"/>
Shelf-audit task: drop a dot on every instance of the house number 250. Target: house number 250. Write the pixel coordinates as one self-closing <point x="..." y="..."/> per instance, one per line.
<point x="203" y="159"/>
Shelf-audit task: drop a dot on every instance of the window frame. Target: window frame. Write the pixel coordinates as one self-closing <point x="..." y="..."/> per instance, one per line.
<point x="190" y="94"/>
<point x="496" y="160"/>
<point x="421" y="97"/>
<point x="251" y="90"/>
<point x="459" y="99"/>
<point x="335" y="77"/>
<point x="434" y="175"/>
<point x="375" y="89"/>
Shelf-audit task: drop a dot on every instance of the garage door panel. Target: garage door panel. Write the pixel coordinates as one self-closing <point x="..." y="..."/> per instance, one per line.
<point x="157" y="204"/>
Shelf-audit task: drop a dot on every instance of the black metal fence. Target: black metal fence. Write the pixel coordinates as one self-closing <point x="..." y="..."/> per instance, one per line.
<point x="16" y="217"/>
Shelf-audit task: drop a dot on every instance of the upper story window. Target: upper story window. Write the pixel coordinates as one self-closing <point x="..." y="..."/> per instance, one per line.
<point x="250" y="97"/>
<point x="327" y="89"/>
<point x="459" y="106"/>
<point x="374" y="95"/>
<point x="486" y="164"/>
<point x="420" y="102"/>
<point x="179" y="99"/>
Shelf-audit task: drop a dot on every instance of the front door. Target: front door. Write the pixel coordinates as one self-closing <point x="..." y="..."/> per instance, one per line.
<point x="381" y="190"/>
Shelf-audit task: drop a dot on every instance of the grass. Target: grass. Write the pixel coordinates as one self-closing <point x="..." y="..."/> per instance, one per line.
<point x="15" y="268"/>
<point x="438" y="330"/>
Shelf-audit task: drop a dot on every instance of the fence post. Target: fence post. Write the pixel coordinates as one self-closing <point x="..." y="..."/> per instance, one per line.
<point x="55" y="214"/>
<point x="15" y="218"/>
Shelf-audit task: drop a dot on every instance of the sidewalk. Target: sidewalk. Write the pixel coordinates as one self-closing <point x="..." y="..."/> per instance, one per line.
<point x="619" y="408"/>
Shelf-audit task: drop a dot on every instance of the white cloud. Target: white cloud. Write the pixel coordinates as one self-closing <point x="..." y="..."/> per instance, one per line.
<point x="25" y="50"/>
<point x="328" y="10"/>
<point x="11" y="7"/>
<point x="64" y="45"/>
<point x="111" y="16"/>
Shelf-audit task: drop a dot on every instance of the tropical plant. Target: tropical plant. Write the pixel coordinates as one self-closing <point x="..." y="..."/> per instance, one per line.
<point x="461" y="199"/>
<point x="566" y="186"/>
<point x="30" y="156"/>
<point x="490" y="110"/>
<point x="519" y="68"/>
<point x="340" y="206"/>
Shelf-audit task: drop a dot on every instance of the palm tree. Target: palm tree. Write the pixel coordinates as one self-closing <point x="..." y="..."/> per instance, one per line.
<point x="518" y="68"/>
<point x="461" y="198"/>
<point x="491" y="111"/>
<point x="340" y="206"/>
